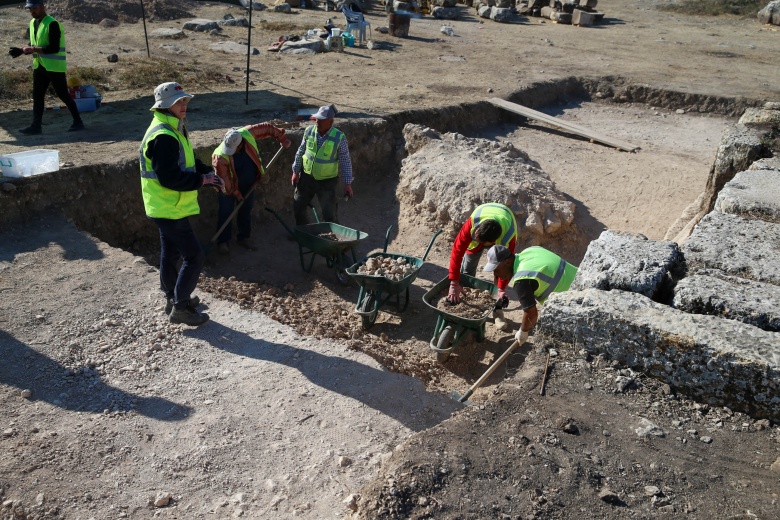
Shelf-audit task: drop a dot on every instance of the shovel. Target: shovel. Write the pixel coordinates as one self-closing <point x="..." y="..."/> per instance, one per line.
<point x="464" y="398"/>
<point x="213" y="240"/>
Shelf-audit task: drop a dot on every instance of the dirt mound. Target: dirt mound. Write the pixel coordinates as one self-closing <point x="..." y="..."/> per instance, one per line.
<point x="447" y="175"/>
<point x="126" y="11"/>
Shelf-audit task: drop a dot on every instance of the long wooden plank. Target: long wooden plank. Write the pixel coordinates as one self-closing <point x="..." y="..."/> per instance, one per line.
<point x="564" y="125"/>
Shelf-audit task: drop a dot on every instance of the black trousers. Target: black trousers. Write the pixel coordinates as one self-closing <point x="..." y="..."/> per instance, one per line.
<point x="179" y="243"/>
<point x="306" y="189"/>
<point x="41" y="80"/>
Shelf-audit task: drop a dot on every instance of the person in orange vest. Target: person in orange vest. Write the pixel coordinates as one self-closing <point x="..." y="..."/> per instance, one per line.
<point x="237" y="162"/>
<point x="47" y="45"/>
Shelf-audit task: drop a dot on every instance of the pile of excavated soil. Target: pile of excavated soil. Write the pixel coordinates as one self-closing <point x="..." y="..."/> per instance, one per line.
<point x="126" y="11"/>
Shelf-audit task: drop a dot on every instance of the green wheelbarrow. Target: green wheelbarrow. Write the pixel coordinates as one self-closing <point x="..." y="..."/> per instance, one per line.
<point x="311" y="242"/>
<point x="376" y="290"/>
<point x="452" y="329"/>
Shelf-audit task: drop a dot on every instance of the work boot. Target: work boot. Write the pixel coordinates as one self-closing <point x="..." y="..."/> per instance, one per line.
<point x="246" y="244"/>
<point x="76" y="126"/>
<point x="223" y="248"/>
<point x="498" y="321"/>
<point x="188" y="316"/>
<point x="193" y="304"/>
<point x="31" y="130"/>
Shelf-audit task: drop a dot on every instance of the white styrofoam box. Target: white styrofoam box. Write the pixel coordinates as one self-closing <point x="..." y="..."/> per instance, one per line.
<point x="31" y="162"/>
<point x="88" y="104"/>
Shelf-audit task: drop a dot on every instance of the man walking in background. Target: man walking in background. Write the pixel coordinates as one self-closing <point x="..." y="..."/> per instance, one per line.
<point x="47" y="45"/>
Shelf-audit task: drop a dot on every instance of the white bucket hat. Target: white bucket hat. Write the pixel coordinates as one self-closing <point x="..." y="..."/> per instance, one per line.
<point x="167" y="94"/>
<point x="232" y="139"/>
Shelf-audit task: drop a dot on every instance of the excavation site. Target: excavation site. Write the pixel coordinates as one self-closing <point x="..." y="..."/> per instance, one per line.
<point x="332" y="379"/>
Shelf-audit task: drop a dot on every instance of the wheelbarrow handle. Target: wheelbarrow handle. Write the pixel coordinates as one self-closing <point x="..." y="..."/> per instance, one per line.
<point x="279" y="218"/>
<point x="241" y="202"/>
<point x="430" y="244"/>
<point x="387" y="237"/>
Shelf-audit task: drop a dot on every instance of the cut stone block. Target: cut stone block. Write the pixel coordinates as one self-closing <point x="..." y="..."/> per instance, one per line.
<point x="715" y="360"/>
<point x="582" y="18"/>
<point x="629" y="262"/>
<point x="590" y="4"/>
<point x="560" y="17"/>
<point x="736" y="246"/>
<point x="717" y="294"/>
<point x="547" y="11"/>
<point x="753" y="194"/>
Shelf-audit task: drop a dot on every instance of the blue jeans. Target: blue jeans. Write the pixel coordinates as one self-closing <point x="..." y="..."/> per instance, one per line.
<point x="178" y="242"/>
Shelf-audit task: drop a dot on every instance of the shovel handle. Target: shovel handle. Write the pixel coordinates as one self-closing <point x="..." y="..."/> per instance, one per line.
<point x="490" y="370"/>
<point x="241" y="203"/>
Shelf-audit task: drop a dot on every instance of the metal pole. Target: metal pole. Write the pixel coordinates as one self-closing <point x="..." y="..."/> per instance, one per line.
<point x="248" y="51"/>
<point x="146" y="36"/>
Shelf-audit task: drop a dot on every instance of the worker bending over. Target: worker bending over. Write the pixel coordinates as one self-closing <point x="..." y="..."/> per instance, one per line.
<point x="534" y="274"/>
<point x="489" y="224"/>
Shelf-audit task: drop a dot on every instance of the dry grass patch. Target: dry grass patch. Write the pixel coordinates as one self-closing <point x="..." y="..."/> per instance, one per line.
<point x="745" y="8"/>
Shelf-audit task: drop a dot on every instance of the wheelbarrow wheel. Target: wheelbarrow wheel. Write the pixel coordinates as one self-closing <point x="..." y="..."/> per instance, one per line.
<point x="446" y="338"/>
<point x="369" y="301"/>
<point x="342" y="276"/>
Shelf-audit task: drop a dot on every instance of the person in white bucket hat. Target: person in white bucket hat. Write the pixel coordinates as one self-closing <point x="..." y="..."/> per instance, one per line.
<point x="237" y="162"/>
<point x="170" y="178"/>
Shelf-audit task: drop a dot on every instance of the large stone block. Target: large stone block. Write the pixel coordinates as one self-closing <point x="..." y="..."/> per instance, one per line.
<point x="582" y="18"/>
<point x="717" y="294"/>
<point x="736" y="246"/>
<point x="719" y="361"/>
<point x="752" y="194"/>
<point x="629" y="262"/>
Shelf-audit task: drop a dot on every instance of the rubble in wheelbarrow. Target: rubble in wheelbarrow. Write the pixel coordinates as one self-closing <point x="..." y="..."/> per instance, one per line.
<point x="474" y="303"/>
<point x="395" y="269"/>
<point x="329" y="235"/>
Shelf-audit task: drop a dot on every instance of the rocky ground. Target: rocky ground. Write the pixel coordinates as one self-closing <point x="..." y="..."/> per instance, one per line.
<point x="283" y="406"/>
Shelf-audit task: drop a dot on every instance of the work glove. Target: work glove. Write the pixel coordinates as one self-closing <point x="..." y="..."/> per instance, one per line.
<point x="238" y="196"/>
<point x="348" y="192"/>
<point x="295" y="178"/>
<point x="521" y="336"/>
<point x="503" y="300"/>
<point x="15" y="52"/>
<point x="212" y="179"/>
<point x="454" y="295"/>
<point x="286" y="143"/>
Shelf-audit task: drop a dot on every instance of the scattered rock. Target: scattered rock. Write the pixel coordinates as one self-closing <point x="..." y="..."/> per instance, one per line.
<point x="26" y="393"/>
<point x="162" y="499"/>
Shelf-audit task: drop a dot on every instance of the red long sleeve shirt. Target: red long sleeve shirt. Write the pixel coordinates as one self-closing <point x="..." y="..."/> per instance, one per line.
<point x="461" y="247"/>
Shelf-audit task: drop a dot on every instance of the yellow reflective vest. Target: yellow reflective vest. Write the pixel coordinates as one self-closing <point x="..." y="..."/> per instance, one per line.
<point x="51" y="62"/>
<point x="499" y="213"/>
<point x="159" y="201"/>
<point x="552" y="273"/>
<point x="322" y="163"/>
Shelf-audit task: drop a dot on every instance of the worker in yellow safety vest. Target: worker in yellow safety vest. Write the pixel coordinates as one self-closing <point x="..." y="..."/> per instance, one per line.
<point x="170" y="178"/>
<point x="47" y="45"/>
<point x="323" y="153"/>
<point x="237" y="162"/>
<point x="533" y="274"/>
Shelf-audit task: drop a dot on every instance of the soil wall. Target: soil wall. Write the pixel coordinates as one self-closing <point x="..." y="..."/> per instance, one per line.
<point x="105" y="200"/>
